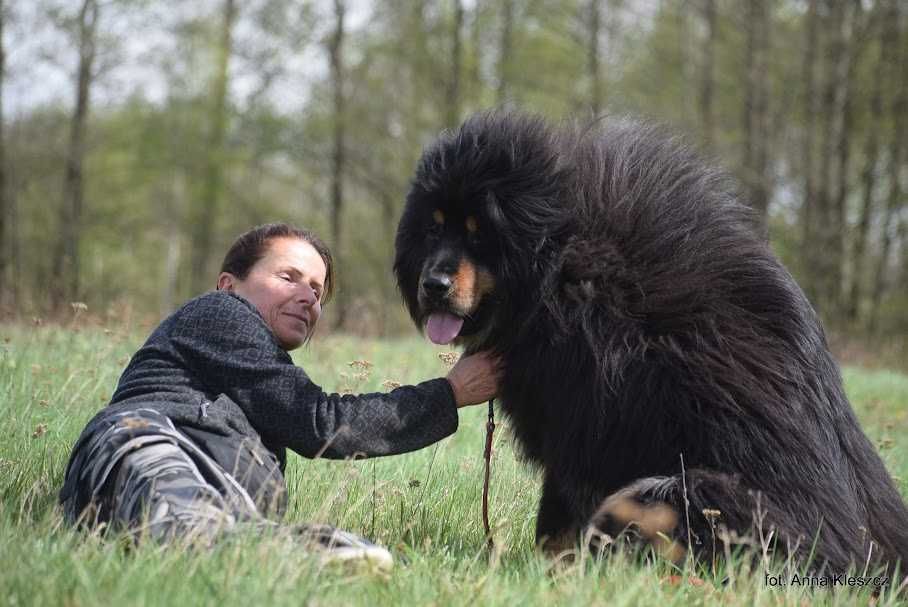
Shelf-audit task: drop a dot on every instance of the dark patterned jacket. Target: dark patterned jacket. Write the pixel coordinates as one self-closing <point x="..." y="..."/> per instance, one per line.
<point x="215" y="369"/>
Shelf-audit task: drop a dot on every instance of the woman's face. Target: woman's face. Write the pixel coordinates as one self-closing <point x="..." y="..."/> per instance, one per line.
<point x="286" y="285"/>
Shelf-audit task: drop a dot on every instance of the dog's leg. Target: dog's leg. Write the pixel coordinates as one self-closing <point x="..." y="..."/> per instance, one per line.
<point x="556" y="529"/>
<point x="702" y="511"/>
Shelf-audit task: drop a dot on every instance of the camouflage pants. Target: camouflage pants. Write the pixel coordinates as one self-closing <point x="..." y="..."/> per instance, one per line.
<point x="141" y="474"/>
<point x="145" y="476"/>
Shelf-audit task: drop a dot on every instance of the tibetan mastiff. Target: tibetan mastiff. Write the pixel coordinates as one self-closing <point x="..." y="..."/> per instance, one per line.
<point x="659" y="358"/>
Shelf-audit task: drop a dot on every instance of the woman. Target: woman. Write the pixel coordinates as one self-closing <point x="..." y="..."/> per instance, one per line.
<point x="193" y="441"/>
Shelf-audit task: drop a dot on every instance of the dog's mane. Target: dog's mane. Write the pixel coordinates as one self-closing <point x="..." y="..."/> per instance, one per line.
<point x="620" y="234"/>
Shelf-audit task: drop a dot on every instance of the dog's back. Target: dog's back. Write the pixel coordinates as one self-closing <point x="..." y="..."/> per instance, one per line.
<point x="703" y="291"/>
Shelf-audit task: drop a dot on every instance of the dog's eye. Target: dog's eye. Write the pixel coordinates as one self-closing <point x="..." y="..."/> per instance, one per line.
<point x="472" y="227"/>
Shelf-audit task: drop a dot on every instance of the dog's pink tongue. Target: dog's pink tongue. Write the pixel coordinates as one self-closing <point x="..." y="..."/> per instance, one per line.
<point x="442" y="328"/>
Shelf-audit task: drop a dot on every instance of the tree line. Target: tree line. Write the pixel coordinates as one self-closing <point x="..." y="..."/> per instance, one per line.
<point x="170" y="130"/>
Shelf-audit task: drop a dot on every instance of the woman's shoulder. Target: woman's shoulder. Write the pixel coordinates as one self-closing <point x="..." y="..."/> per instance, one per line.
<point x="215" y="310"/>
<point x="220" y="318"/>
<point x="219" y="303"/>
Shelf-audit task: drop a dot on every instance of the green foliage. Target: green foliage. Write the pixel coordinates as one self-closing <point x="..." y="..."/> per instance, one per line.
<point x="147" y="150"/>
<point x="425" y="506"/>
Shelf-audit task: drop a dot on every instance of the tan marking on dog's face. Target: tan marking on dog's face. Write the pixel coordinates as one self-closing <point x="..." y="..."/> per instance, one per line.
<point x="470" y="285"/>
<point x="471" y="224"/>
<point x="439" y="217"/>
<point x="485" y="284"/>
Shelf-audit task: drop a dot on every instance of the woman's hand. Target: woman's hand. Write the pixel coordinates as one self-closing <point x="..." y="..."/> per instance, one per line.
<point x="475" y="378"/>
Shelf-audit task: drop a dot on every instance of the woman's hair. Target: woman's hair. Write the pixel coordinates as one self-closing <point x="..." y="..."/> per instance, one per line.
<point x="252" y="245"/>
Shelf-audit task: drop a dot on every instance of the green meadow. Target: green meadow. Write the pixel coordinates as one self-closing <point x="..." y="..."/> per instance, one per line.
<point x="425" y="506"/>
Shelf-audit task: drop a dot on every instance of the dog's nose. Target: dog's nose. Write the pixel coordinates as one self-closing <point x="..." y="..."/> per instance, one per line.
<point x="436" y="284"/>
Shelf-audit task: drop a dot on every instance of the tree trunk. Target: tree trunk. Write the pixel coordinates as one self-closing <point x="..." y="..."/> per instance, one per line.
<point x="15" y="248"/>
<point x="686" y="60"/>
<point x="389" y="223"/>
<point x="811" y="109"/>
<point x="845" y="114"/>
<point x="829" y="230"/>
<point x="65" y="287"/>
<point x="595" y="25"/>
<point x="415" y="53"/>
<point x="868" y="177"/>
<point x="337" y="157"/>
<point x="175" y="198"/>
<point x="504" y="52"/>
<point x="476" y="52"/>
<point x="707" y="118"/>
<point x="762" y="190"/>
<point x="454" y="94"/>
<point x="899" y="83"/>
<point x="5" y="291"/>
<point x="13" y="232"/>
<point x="207" y="209"/>
<point x="822" y="210"/>
<point x="756" y="107"/>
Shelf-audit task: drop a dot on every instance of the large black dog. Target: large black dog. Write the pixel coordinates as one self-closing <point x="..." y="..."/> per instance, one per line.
<point x="655" y="349"/>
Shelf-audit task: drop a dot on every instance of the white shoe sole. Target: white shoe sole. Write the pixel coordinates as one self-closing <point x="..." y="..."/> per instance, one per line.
<point x="374" y="556"/>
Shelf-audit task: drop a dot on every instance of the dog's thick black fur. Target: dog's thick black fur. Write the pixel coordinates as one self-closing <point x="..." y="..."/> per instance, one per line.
<point x="654" y="346"/>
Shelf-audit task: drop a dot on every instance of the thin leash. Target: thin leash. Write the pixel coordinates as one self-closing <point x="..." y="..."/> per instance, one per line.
<point x="490" y="430"/>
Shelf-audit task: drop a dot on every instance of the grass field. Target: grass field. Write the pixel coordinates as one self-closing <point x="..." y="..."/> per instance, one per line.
<point x="425" y="505"/>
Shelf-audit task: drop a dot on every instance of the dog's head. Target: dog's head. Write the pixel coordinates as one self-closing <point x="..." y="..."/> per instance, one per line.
<point x="481" y="207"/>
